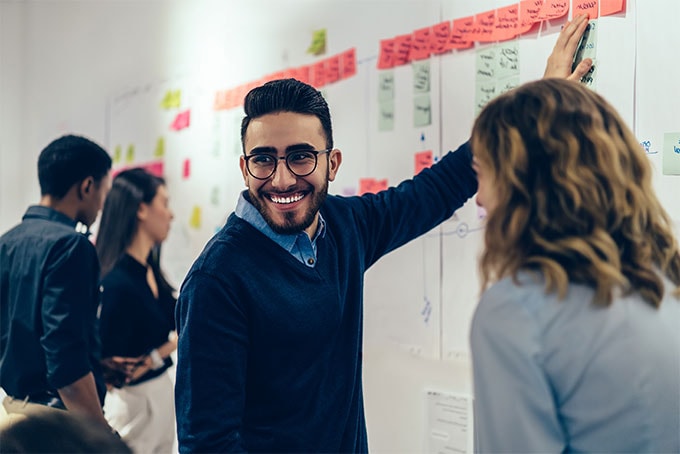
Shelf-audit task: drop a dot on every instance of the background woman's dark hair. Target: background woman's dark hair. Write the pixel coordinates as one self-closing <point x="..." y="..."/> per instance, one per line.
<point x="287" y="95"/>
<point x="130" y="188"/>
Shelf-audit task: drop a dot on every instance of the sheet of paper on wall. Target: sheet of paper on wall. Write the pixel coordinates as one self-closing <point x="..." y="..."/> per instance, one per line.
<point x="449" y="422"/>
<point x="671" y="154"/>
<point x="588" y="49"/>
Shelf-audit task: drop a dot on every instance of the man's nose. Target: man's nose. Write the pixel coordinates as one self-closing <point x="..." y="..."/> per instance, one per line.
<point x="283" y="177"/>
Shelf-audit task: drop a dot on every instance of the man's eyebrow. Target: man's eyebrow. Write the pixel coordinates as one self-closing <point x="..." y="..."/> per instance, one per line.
<point x="289" y="148"/>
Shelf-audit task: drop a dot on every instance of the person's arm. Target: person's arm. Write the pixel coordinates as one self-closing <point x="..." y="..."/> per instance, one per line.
<point x="81" y="397"/>
<point x="68" y="317"/>
<point x="514" y="407"/>
<point x="560" y="61"/>
<point x="212" y="356"/>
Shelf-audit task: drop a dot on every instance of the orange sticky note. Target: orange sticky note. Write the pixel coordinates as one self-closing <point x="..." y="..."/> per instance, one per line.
<point x="485" y="26"/>
<point x="528" y="14"/>
<point x="371" y="185"/>
<point x="220" y="102"/>
<point x="386" y="57"/>
<point x="423" y="159"/>
<point x="507" y="22"/>
<point x="460" y="32"/>
<point x="349" y="63"/>
<point x="553" y="9"/>
<point x="440" y="37"/>
<point x="585" y="6"/>
<point x="186" y="168"/>
<point x="402" y="49"/>
<point x="318" y="74"/>
<point x="608" y="7"/>
<point x="333" y="69"/>
<point x="420" y="44"/>
<point x="182" y="120"/>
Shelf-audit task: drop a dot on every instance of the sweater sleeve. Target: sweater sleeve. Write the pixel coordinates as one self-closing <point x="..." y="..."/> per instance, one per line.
<point x="212" y="359"/>
<point x="393" y="217"/>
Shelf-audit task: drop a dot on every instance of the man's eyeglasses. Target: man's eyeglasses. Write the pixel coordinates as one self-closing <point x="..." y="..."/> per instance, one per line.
<point x="301" y="163"/>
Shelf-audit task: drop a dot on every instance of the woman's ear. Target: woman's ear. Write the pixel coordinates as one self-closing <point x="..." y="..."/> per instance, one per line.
<point x="142" y="211"/>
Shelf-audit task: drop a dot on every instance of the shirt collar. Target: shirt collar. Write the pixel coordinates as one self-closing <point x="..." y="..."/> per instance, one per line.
<point x="247" y="211"/>
<point x="50" y="214"/>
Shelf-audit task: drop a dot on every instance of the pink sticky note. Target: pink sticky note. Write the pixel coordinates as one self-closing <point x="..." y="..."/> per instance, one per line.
<point x="349" y="63"/>
<point x="485" y="27"/>
<point x="528" y="14"/>
<point x="182" y="120"/>
<point x="460" y="32"/>
<point x="186" y="168"/>
<point x="386" y="57"/>
<point x="553" y="9"/>
<point x="154" y="167"/>
<point x="333" y="69"/>
<point x="371" y="185"/>
<point x="423" y="159"/>
<point x="402" y="50"/>
<point x="585" y="6"/>
<point x="440" y="37"/>
<point x="609" y="7"/>
<point x="318" y="74"/>
<point x="303" y="73"/>
<point x="420" y="44"/>
<point x="507" y="22"/>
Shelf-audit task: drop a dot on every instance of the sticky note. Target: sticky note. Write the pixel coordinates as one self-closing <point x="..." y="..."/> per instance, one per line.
<point x="195" y="220"/>
<point x="181" y="121"/>
<point x="671" y="153"/>
<point x="423" y="159"/>
<point x="371" y="185"/>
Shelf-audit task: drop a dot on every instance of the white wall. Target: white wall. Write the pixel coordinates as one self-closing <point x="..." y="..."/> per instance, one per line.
<point x="62" y="60"/>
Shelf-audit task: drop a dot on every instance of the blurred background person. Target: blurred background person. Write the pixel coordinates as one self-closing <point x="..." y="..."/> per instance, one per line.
<point x="49" y="287"/>
<point x="137" y="318"/>
<point x="39" y="430"/>
<point x="575" y="342"/>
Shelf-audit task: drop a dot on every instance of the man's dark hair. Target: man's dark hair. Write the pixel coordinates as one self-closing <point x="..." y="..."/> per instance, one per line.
<point x="287" y="95"/>
<point x="68" y="160"/>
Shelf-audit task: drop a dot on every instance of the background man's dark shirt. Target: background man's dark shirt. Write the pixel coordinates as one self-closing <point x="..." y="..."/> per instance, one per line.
<point x="49" y="298"/>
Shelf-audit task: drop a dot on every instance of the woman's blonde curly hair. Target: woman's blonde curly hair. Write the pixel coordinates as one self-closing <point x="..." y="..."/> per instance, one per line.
<point x="574" y="195"/>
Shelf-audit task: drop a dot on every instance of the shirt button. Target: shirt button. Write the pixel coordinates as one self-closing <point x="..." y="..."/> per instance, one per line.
<point x="310" y="261"/>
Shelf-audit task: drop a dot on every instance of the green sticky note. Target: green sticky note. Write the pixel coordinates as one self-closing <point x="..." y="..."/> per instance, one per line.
<point x="421" y="77"/>
<point x="386" y="115"/>
<point x="671" y="153"/>
<point x="422" y="110"/>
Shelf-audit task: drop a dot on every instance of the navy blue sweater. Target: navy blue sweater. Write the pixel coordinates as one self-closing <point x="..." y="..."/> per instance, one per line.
<point x="269" y="349"/>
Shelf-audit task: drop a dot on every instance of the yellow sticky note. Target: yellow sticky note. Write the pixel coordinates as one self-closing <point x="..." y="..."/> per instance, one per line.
<point x="117" y="154"/>
<point x="130" y="154"/>
<point x="318" y="45"/>
<point x="159" y="152"/>
<point x="195" y="220"/>
<point x="172" y="99"/>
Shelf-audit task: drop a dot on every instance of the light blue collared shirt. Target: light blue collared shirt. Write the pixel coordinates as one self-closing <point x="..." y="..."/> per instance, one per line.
<point x="299" y="245"/>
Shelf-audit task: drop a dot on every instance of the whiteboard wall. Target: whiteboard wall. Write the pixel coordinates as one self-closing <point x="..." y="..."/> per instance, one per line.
<point x="420" y="298"/>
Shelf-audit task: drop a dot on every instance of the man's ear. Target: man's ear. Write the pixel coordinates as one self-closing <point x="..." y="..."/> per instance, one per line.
<point x="244" y="170"/>
<point x="85" y="187"/>
<point x="334" y="162"/>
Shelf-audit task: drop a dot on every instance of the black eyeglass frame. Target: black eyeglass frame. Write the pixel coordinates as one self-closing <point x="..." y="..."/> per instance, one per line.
<point x="316" y="154"/>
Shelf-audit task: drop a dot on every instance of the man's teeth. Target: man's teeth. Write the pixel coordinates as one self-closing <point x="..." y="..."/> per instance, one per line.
<point x="290" y="199"/>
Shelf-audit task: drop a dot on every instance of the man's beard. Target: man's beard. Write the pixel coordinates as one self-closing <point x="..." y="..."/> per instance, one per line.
<point x="290" y="226"/>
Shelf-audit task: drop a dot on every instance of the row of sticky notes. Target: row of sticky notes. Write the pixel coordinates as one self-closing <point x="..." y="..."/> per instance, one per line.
<point x="500" y="24"/>
<point x="319" y="74"/>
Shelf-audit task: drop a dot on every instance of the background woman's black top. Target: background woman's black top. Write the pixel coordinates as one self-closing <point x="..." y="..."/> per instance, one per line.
<point x="133" y="321"/>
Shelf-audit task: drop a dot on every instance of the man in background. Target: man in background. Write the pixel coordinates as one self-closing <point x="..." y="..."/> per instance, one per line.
<point x="49" y="287"/>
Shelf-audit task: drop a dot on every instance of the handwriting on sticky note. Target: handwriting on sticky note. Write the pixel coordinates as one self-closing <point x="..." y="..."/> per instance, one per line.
<point x="386" y="57"/>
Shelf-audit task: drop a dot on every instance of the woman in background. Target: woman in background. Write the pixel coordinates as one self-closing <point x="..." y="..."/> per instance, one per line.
<point x="576" y="340"/>
<point x="137" y="317"/>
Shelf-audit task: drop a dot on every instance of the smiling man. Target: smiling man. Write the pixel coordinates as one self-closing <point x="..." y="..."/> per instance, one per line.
<point x="270" y="314"/>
